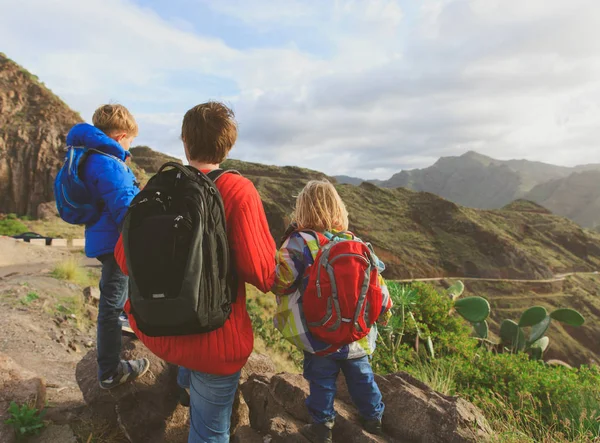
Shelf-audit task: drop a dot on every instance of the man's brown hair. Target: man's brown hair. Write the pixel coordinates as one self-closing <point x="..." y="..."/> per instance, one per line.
<point x="115" y="118"/>
<point x="209" y="131"/>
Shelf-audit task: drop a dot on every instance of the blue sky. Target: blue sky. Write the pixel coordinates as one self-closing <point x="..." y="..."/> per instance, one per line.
<point x="356" y="87"/>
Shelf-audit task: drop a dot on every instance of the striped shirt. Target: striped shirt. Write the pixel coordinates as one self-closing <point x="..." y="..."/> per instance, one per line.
<point x="296" y="254"/>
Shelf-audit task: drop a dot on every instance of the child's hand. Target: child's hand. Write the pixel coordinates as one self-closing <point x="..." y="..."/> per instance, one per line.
<point x="384" y="318"/>
<point x="291" y="228"/>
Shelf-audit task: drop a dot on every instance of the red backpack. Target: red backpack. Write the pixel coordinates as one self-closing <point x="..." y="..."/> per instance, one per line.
<point x="343" y="298"/>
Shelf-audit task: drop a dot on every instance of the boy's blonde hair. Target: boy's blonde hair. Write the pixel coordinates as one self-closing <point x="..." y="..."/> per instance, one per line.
<point x="115" y="118"/>
<point x="319" y="207"/>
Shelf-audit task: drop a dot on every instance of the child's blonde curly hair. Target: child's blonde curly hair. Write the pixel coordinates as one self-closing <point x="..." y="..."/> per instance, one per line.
<point x="111" y="119"/>
<point x="319" y="207"/>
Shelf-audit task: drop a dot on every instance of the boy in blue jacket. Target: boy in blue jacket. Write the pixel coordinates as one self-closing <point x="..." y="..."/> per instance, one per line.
<point x="112" y="186"/>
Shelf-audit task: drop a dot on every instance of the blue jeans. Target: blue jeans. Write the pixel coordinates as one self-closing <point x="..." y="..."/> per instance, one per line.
<point x="322" y="373"/>
<point x="183" y="377"/>
<point x="211" y="402"/>
<point x="113" y="294"/>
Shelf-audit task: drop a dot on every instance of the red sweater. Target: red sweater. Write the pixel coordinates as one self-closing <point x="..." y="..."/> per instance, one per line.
<point x="225" y="350"/>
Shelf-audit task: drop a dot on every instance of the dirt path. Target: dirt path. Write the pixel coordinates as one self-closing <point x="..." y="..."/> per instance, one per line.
<point x="45" y="326"/>
<point x="557" y="278"/>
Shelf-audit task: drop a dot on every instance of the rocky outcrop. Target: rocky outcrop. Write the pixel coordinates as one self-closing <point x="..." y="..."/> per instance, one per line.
<point x="47" y="211"/>
<point x="148" y="410"/>
<point x="414" y="412"/>
<point x="33" y="126"/>
<point x="145" y="411"/>
<point x="272" y="408"/>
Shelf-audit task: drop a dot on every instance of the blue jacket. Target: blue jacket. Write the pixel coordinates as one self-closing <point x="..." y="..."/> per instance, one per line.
<point x="110" y="181"/>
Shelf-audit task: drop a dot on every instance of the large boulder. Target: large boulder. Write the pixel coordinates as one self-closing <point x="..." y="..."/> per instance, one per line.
<point x="414" y="412"/>
<point x="21" y="386"/>
<point x="146" y="410"/>
<point x="418" y="413"/>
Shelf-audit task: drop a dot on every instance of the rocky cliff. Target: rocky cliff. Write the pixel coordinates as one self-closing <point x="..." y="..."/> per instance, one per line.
<point x="33" y="126"/>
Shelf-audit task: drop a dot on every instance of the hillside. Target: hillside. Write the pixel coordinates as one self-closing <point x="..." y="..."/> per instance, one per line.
<point x="478" y="181"/>
<point x="33" y="126"/>
<point x="422" y="235"/>
<point x="149" y="160"/>
<point x="576" y="196"/>
<point x="417" y="234"/>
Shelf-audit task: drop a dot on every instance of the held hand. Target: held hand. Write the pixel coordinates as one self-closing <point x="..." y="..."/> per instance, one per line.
<point x="384" y="318"/>
<point x="291" y="228"/>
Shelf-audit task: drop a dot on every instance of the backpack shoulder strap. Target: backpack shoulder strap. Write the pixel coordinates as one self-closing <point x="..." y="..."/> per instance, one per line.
<point x="215" y="174"/>
<point x="90" y="151"/>
<point x="320" y="237"/>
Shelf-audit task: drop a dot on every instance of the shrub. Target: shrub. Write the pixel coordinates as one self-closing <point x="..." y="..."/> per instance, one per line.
<point x="449" y="334"/>
<point x="524" y="399"/>
<point x="12" y="226"/>
<point x="25" y="420"/>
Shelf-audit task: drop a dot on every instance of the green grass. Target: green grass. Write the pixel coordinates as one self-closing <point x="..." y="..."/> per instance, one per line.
<point x="29" y="298"/>
<point x="12" y="226"/>
<point x="261" y="308"/>
<point x="55" y="228"/>
<point x="70" y="270"/>
<point x="438" y="375"/>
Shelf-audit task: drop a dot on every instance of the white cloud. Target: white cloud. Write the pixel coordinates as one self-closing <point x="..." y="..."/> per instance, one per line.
<point x="393" y="85"/>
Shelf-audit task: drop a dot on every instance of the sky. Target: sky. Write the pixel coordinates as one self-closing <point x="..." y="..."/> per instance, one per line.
<point x="357" y="87"/>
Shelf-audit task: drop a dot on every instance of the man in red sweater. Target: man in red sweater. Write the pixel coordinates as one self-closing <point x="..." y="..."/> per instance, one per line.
<point x="216" y="358"/>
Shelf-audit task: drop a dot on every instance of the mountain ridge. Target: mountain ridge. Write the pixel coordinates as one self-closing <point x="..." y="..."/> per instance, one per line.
<point x="418" y="234"/>
<point x="479" y="181"/>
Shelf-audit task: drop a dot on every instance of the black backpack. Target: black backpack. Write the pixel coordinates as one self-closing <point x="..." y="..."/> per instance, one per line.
<point x="181" y="278"/>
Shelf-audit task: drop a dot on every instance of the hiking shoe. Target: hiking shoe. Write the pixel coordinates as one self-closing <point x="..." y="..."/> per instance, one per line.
<point x="318" y="433"/>
<point x="184" y="397"/>
<point x="372" y="426"/>
<point x="124" y="322"/>
<point x="126" y="371"/>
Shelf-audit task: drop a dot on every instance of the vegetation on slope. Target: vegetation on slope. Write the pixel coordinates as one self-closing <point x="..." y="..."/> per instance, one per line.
<point x="420" y="235"/>
<point x="525" y="399"/>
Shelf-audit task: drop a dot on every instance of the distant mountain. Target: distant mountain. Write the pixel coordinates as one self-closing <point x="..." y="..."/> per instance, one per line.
<point x="478" y="181"/>
<point x="576" y="196"/>
<point x="347" y="180"/>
